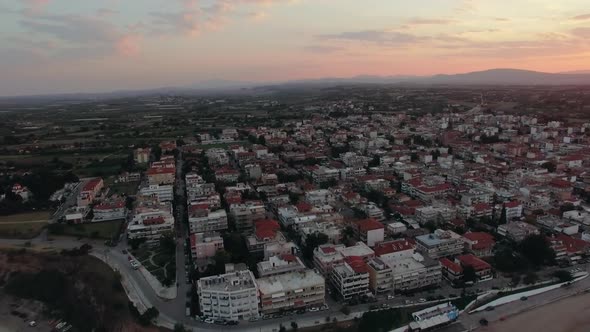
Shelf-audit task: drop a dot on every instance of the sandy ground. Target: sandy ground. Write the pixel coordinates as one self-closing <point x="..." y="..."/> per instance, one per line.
<point x="568" y="315"/>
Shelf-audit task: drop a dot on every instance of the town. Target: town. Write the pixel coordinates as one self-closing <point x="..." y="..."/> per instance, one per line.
<point x="383" y="206"/>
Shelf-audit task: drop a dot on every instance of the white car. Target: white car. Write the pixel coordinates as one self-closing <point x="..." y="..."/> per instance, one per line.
<point x="209" y="321"/>
<point x="422" y="300"/>
<point x="314" y="309"/>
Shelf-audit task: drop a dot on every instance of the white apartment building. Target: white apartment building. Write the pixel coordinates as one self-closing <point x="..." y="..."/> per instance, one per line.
<point x="164" y="193"/>
<point x="380" y="276"/>
<point x="323" y="174"/>
<point x="205" y="245"/>
<point x="293" y="290"/>
<point x="415" y="272"/>
<point x="439" y="244"/>
<point x="196" y="191"/>
<point x="231" y="296"/>
<point x="205" y="220"/>
<point x="320" y="197"/>
<point x="437" y="214"/>
<point x="151" y="225"/>
<point x="351" y="278"/>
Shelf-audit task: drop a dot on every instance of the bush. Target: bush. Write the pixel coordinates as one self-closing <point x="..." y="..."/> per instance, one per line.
<point x="345" y="310"/>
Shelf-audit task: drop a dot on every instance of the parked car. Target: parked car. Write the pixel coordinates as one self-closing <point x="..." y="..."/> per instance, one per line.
<point x="253" y="319"/>
<point x="422" y="300"/>
<point x="314" y="309"/>
<point x="524" y="298"/>
<point x="490" y="308"/>
<point x="483" y="322"/>
<point x="209" y="321"/>
<point x="390" y="297"/>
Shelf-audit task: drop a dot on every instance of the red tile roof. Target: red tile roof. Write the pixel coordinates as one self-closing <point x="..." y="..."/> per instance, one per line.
<point x="157" y="170"/>
<point x="483" y="239"/>
<point x="265" y="229"/>
<point x="92" y="184"/>
<point x="452" y="266"/>
<point x="369" y="225"/>
<point x="389" y="247"/>
<point x="357" y="264"/>
<point x="471" y="260"/>
<point x="512" y="204"/>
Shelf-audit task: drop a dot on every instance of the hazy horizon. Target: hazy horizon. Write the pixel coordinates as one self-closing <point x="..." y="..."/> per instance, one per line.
<point x="60" y="46"/>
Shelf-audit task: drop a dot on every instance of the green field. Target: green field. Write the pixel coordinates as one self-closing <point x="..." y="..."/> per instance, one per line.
<point x="24" y="217"/>
<point x="101" y="230"/>
<point x="23" y="225"/>
<point x="159" y="263"/>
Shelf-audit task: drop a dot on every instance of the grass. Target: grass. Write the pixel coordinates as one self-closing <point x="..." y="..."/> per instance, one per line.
<point x="24" y="230"/>
<point x="128" y="189"/>
<point x="102" y="230"/>
<point x="159" y="263"/>
<point x="24" y="217"/>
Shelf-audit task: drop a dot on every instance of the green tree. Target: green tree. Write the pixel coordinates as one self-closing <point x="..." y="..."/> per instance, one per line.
<point x="469" y="274"/>
<point x="530" y="278"/>
<point x="178" y="327"/>
<point x="313" y="241"/>
<point x="537" y="250"/>
<point x="503" y="218"/>
<point x="563" y="275"/>
<point x="345" y="310"/>
<point x="294" y="326"/>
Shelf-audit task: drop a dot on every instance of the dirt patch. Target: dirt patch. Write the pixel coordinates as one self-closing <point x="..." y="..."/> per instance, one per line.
<point x="78" y="288"/>
<point x="568" y="315"/>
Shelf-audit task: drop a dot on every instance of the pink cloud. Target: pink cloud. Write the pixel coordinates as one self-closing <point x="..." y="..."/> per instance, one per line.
<point x="128" y="45"/>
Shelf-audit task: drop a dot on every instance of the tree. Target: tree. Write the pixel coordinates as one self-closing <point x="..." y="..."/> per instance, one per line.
<point x="167" y="243"/>
<point x="549" y="166"/>
<point x="375" y="161"/>
<point x="503" y="218"/>
<point x="179" y="328"/>
<point x="515" y="280"/>
<point x="345" y="310"/>
<point x="530" y="278"/>
<point x="563" y="275"/>
<point x="537" y="250"/>
<point x="469" y="274"/>
<point x="149" y="316"/>
<point x="294" y="325"/>
<point x="313" y="241"/>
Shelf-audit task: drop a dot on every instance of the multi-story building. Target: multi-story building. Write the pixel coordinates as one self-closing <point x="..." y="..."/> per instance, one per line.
<point x="517" y="231"/>
<point x="279" y="264"/>
<point x="436" y="214"/>
<point x="441" y="243"/>
<point x="351" y="278"/>
<point x="205" y="245"/>
<point x="196" y="191"/>
<point x="164" y="193"/>
<point x="150" y="224"/>
<point x="265" y="231"/>
<point x="113" y="210"/>
<point x="370" y="231"/>
<point x="380" y="276"/>
<point x="142" y="155"/>
<point x="89" y="191"/>
<point x="479" y="243"/>
<point x="320" y="197"/>
<point x="161" y="175"/>
<point x="325" y="257"/>
<point x="245" y="214"/>
<point x="231" y="296"/>
<point x="293" y="290"/>
<point x="204" y="220"/>
<point x="415" y="272"/>
<point x="323" y="174"/>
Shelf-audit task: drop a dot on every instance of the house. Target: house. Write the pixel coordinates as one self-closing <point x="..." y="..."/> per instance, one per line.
<point x="370" y="231"/>
<point x="480" y="244"/>
<point x="205" y="245"/>
<point x="89" y="191"/>
<point x="113" y="210"/>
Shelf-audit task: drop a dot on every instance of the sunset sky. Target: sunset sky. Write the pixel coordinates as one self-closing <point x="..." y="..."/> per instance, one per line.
<point x="51" y="46"/>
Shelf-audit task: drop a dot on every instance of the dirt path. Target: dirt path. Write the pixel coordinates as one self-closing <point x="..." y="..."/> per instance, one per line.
<point x="568" y="315"/>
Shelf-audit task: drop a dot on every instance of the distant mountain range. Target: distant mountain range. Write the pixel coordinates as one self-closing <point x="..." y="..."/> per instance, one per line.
<point x="486" y="77"/>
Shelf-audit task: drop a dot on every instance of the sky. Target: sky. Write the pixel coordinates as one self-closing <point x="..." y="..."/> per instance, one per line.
<point x="60" y="46"/>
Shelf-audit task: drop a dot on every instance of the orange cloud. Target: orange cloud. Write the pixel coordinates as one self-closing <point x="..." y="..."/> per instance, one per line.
<point x="128" y="45"/>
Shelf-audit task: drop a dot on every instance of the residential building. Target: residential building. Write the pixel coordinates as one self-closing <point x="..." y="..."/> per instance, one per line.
<point x="513" y="210"/>
<point x="414" y="272"/>
<point x="439" y="244"/>
<point x="370" y="231"/>
<point x="517" y="231"/>
<point x="150" y="224"/>
<point x="294" y="290"/>
<point x="164" y="193"/>
<point x="351" y="278"/>
<point x="479" y="243"/>
<point x="161" y="175"/>
<point x="112" y="210"/>
<point x="245" y="214"/>
<point x="380" y="276"/>
<point x="204" y="220"/>
<point x="265" y="231"/>
<point x="89" y="191"/>
<point x="142" y="155"/>
<point x="483" y="270"/>
<point x="231" y="296"/>
<point x="279" y="264"/>
<point x="205" y="245"/>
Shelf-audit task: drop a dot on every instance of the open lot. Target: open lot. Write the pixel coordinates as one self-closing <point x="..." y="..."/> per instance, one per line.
<point x="102" y="230"/>
<point x="23" y="225"/>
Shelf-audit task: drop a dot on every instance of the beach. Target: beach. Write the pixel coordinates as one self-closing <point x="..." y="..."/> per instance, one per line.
<point x="567" y="315"/>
